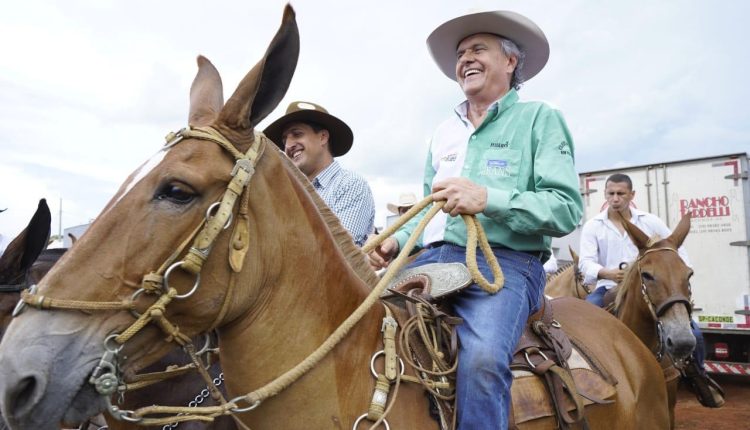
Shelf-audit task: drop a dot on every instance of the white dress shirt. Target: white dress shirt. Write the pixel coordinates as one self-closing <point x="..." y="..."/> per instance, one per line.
<point x="603" y="246"/>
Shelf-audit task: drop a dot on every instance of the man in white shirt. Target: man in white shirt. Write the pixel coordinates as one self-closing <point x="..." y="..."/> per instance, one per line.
<point x="605" y="250"/>
<point x="606" y="247"/>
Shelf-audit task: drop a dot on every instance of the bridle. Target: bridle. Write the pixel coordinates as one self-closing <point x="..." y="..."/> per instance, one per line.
<point x="107" y="377"/>
<point x="658" y="310"/>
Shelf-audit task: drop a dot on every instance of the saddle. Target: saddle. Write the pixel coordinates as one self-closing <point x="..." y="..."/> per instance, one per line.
<point x="553" y="374"/>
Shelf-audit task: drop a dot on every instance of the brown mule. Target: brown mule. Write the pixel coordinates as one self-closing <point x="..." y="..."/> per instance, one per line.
<point x="276" y="284"/>
<point x="653" y="300"/>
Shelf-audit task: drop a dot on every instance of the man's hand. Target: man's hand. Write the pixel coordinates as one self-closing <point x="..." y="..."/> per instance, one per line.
<point x="381" y="256"/>
<point x="461" y="196"/>
<point x="612" y="274"/>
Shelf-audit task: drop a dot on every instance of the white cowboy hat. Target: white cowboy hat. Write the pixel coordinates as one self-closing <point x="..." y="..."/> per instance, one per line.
<point x="404" y="200"/>
<point x="528" y="36"/>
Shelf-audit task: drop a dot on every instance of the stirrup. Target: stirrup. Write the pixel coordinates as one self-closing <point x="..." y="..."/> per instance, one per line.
<point x="708" y="391"/>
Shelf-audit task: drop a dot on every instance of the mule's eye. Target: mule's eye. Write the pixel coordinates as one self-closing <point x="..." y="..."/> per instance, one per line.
<point x="647" y="276"/>
<point x="175" y="192"/>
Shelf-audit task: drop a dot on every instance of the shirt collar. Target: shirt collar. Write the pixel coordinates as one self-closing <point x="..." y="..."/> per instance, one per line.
<point x="325" y="177"/>
<point x="496" y="108"/>
<point x="635" y="213"/>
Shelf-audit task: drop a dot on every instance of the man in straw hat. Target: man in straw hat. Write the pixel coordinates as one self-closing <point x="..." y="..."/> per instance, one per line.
<point x="405" y="202"/>
<point x="312" y="137"/>
<point x="511" y="164"/>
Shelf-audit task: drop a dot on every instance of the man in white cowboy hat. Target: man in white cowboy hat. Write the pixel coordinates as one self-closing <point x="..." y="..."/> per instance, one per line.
<point x="405" y="202"/>
<point x="312" y="137"/>
<point x="511" y="164"/>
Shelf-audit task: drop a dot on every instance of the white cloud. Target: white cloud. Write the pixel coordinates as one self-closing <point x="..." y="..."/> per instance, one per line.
<point x="89" y="88"/>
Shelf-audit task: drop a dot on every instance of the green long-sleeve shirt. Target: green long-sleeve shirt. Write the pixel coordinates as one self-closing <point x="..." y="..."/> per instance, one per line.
<point x="523" y="154"/>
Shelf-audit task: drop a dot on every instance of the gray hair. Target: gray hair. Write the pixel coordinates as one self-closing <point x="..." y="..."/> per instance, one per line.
<point x="510" y="49"/>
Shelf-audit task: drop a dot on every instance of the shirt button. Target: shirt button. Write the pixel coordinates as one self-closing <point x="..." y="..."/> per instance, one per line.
<point x="473" y="136"/>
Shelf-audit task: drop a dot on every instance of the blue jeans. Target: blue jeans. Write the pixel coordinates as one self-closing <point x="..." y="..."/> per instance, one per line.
<point x="699" y="353"/>
<point x="597" y="296"/>
<point x="492" y="325"/>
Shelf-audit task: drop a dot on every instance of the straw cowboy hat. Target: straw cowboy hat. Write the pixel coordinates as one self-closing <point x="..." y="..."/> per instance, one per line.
<point x="443" y="42"/>
<point x="341" y="136"/>
<point x="404" y="200"/>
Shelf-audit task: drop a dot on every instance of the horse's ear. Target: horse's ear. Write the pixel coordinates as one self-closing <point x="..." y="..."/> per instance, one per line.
<point x="206" y="94"/>
<point x="573" y="255"/>
<point x="265" y="85"/>
<point x="27" y="246"/>
<point x="639" y="238"/>
<point x="681" y="231"/>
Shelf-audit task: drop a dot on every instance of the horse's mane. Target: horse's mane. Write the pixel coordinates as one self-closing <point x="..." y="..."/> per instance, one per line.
<point x="630" y="272"/>
<point x="341" y="236"/>
<point x="565" y="267"/>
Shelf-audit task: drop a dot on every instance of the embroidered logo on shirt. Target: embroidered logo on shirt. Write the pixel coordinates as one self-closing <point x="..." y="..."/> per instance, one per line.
<point x="449" y="157"/>
<point x="499" y="144"/>
<point x="495" y="168"/>
<point x="564" y="148"/>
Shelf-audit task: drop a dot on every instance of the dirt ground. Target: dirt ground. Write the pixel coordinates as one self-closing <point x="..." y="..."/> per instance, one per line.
<point x="735" y="414"/>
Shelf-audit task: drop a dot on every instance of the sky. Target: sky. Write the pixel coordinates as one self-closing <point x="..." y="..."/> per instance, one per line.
<point x="89" y="88"/>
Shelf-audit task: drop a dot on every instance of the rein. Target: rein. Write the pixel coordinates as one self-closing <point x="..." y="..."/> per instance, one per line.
<point x="106" y="376"/>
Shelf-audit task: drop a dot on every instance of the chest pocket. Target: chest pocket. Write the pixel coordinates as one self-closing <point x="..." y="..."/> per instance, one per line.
<point x="500" y="165"/>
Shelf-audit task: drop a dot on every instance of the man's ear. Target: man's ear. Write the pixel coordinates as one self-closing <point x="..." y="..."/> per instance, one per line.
<point x="513" y="61"/>
<point x="326" y="136"/>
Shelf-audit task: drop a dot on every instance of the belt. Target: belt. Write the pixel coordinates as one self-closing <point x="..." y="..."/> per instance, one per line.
<point x="539" y="255"/>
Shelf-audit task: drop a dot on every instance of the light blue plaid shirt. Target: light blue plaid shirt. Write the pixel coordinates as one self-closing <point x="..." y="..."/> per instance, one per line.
<point x="350" y="198"/>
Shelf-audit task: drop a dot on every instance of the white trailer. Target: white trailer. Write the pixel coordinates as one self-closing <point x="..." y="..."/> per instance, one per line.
<point x="716" y="192"/>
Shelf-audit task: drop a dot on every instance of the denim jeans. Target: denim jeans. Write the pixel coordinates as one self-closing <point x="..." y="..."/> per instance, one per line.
<point x="597" y="296"/>
<point x="699" y="353"/>
<point x="492" y="325"/>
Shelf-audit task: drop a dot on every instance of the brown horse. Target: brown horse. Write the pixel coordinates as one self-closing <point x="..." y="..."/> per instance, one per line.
<point x="26" y="262"/>
<point x="662" y="327"/>
<point x="276" y="283"/>
<point x="653" y="300"/>
<point x="567" y="281"/>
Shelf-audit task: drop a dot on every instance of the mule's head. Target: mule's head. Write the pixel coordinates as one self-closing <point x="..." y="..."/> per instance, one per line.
<point x="48" y="356"/>
<point x="664" y="281"/>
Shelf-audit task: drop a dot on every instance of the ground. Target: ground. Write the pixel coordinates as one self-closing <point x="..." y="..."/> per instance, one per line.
<point x="735" y="414"/>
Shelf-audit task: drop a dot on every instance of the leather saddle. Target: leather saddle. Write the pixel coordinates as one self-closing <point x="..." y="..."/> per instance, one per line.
<point x="554" y="375"/>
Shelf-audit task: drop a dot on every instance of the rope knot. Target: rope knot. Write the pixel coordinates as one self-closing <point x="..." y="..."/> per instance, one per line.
<point x="152" y="282"/>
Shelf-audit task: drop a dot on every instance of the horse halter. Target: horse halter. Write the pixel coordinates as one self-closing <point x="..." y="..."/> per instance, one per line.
<point x="658" y="311"/>
<point x="106" y="377"/>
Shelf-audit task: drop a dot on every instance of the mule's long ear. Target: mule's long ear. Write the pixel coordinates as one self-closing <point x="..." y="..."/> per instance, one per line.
<point x="206" y="94"/>
<point x="639" y="238"/>
<point x="573" y="255"/>
<point x="27" y="246"/>
<point x="681" y="231"/>
<point x="266" y="84"/>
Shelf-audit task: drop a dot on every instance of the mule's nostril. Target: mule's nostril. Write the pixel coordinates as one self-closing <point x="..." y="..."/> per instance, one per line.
<point x="23" y="401"/>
